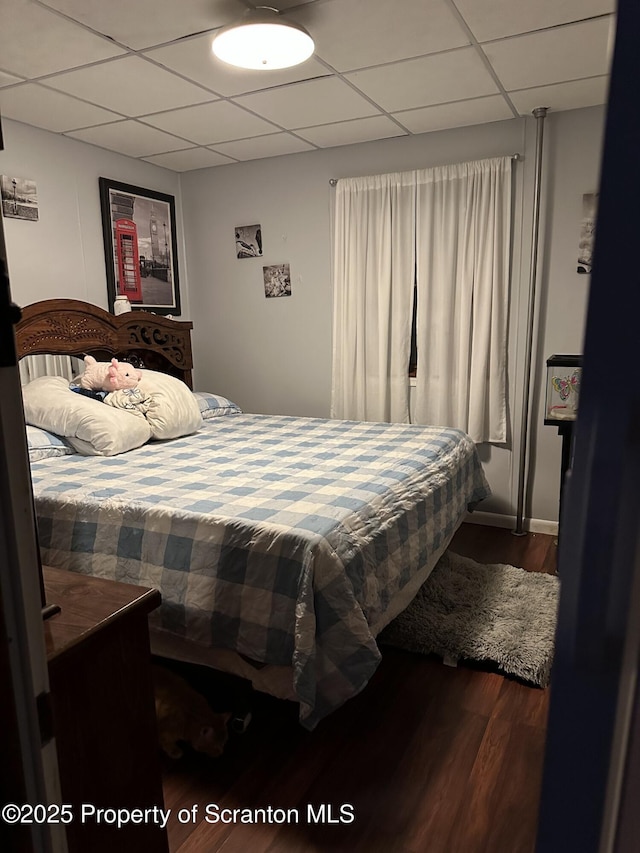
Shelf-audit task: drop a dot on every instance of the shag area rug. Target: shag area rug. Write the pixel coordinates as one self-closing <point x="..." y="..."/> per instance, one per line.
<point x="501" y="616"/>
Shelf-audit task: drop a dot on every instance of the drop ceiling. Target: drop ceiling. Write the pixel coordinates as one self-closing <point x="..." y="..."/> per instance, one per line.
<point x="139" y="77"/>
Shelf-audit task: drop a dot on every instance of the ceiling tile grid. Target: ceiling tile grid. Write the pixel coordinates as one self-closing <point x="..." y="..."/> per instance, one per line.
<point x="130" y="86"/>
<point x="131" y="138"/>
<point x="570" y="52"/>
<point x="204" y="124"/>
<point x="140" y="78"/>
<point x="350" y="132"/>
<point x="273" y="145"/>
<point x="319" y="101"/>
<point x="57" y="111"/>
<point x="35" y="41"/>
<point x="188" y="159"/>
<point x="457" y="114"/>
<point x="354" y="34"/>
<point x="441" y="78"/>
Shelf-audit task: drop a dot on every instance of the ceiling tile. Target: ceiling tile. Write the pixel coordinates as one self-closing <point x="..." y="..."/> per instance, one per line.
<point x="356" y="33"/>
<point x="219" y="121"/>
<point x="41" y="107"/>
<point x="551" y="56"/>
<point x="310" y="103"/>
<point x="458" y="114"/>
<point x="130" y="86"/>
<point x="131" y="138"/>
<point x="349" y="132"/>
<point x="143" y="23"/>
<point x="190" y="158"/>
<point x="492" y="19"/>
<point x="8" y="79"/>
<point x="35" y="41"/>
<point x="562" y="96"/>
<point x="453" y="76"/>
<point x="264" y="146"/>
<point x="193" y="59"/>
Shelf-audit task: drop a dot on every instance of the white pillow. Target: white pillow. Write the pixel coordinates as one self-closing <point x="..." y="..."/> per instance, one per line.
<point x="173" y="410"/>
<point x="45" y="445"/>
<point x="91" y="427"/>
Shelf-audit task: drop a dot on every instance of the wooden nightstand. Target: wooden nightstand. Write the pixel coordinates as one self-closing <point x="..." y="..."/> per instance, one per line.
<point x="103" y="708"/>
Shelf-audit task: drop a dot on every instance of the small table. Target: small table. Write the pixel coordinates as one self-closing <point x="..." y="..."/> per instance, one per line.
<point x="103" y="708"/>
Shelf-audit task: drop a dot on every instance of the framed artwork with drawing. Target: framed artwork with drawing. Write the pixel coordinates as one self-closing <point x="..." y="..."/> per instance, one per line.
<point x="248" y="241"/>
<point x="140" y="246"/>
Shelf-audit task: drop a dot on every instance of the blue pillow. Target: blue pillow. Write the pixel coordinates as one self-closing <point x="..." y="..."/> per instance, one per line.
<point x="214" y="405"/>
<point x="43" y="445"/>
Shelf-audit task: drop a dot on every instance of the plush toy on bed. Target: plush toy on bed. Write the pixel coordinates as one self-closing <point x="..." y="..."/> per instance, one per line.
<point x="108" y="376"/>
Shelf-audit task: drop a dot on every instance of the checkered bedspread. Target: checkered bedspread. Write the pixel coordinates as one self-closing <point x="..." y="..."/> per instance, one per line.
<point x="281" y="538"/>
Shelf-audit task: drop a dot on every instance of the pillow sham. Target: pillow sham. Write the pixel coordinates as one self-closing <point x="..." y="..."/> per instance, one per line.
<point x="45" y="445"/>
<point x="173" y="410"/>
<point x="92" y="428"/>
<point x="214" y="405"/>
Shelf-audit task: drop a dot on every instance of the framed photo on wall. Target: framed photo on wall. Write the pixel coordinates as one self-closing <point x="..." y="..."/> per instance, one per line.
<point x="248" y="241"/>
<point x="19" y="198"/>
<point x="587" y="232"/>
<point x="140" y="246"/>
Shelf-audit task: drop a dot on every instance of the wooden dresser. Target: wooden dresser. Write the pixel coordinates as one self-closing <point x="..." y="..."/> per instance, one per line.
<point x="103" y="710"/>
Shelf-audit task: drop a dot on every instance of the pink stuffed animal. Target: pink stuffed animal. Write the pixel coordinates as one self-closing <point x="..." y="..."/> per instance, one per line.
<point x="108" y="376"/>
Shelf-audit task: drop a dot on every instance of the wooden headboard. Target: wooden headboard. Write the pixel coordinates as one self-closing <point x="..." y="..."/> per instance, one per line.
<point x="72" y="327"/>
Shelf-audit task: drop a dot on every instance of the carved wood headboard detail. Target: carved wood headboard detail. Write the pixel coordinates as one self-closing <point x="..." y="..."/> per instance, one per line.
<point x="72" y="327"/>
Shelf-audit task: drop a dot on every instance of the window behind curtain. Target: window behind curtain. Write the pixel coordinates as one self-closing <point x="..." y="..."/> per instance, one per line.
<point x="428" y="249"/>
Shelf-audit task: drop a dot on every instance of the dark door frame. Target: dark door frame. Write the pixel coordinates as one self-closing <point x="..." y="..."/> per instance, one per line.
<point x="588" y="776"/>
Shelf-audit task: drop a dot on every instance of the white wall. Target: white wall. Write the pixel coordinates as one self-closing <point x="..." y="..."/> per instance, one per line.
<point x="274" y="355"/>
<point x="62" y="254"/>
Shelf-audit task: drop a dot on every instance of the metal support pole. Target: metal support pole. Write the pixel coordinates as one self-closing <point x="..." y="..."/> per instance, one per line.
<point x="539" y="114"/>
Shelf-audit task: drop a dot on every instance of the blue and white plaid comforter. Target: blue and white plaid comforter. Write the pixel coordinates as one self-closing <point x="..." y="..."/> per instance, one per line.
<point x="284" y="539"/>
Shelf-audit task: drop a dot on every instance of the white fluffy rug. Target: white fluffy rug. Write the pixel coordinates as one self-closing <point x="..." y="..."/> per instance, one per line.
<point x="494" y="614"/>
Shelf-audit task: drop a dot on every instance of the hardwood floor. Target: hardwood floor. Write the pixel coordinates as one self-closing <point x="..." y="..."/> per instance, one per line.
<point x="428" y="757"/>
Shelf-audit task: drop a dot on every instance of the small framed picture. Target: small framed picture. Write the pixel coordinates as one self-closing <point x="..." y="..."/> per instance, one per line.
<point x="140" y="246"/>
<point x="19" y="198"/>
<point x="277" y="280"/>
<point x="564" y="373"/>
<point x="248" y="241"/>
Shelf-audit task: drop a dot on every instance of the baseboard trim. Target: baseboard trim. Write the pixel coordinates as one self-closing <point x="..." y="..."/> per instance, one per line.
<point x="495" y="519"/>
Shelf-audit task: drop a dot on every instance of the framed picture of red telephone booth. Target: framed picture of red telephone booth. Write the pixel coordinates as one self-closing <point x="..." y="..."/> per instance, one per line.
<point x="140" y="247"/>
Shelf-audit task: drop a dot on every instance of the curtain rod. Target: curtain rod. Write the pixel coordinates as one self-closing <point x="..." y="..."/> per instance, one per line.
<point x="334" y="181"/>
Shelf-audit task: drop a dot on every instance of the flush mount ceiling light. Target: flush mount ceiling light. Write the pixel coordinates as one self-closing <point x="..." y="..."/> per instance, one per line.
<point x="263" y="40"/>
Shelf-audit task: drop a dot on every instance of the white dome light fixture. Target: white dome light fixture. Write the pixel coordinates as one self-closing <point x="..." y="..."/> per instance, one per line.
<point x="263" y="40"/>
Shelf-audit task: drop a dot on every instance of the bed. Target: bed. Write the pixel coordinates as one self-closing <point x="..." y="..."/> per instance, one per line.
<point x="281" y="545"/>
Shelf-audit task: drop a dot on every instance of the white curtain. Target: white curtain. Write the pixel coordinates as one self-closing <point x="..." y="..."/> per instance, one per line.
<point x="374" y="262"/>
<point x="462" y="273"/>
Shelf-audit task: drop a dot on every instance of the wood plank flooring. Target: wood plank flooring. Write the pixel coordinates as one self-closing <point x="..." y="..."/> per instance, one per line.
<point x="428" y="757"/>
